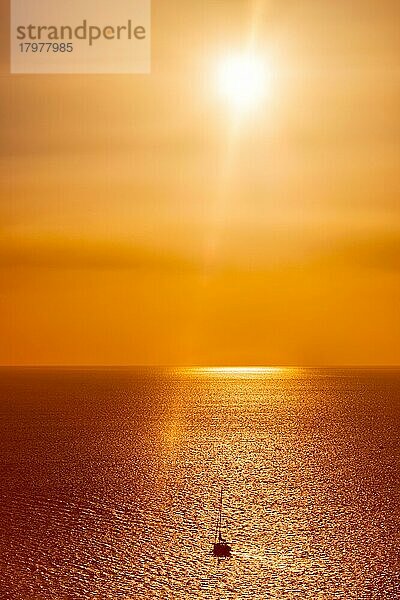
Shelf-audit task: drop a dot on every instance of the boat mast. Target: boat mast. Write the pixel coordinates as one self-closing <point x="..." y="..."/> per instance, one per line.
<point x="219" y="525"/>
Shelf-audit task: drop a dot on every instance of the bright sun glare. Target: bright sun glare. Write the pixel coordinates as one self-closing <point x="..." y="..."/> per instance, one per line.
<point x="243" y="80"/>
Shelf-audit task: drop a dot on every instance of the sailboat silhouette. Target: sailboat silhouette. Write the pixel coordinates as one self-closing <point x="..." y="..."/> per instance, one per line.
<point x="221" y="547"/>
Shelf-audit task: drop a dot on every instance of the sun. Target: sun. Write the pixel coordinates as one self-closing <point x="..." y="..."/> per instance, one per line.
<point x="243" y="80"/>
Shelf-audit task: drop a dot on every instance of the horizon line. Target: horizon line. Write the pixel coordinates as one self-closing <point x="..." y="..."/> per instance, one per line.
<point x="198" y="366"/>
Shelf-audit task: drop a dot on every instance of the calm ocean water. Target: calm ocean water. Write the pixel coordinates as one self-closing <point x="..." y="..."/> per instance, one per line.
<point x="110" y="483"/>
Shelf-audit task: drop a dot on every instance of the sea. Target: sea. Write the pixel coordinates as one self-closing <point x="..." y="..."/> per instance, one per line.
<point x="110" y="483"/>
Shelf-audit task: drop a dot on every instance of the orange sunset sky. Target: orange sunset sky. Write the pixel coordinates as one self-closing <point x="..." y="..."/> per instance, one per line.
<point x="143" y="221"/>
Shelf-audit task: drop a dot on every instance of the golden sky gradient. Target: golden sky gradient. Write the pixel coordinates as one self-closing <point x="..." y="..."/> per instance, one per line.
<point x="142" y="223"/>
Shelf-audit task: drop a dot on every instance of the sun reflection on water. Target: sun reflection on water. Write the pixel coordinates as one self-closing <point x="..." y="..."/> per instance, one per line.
<point x="240" y="371"/>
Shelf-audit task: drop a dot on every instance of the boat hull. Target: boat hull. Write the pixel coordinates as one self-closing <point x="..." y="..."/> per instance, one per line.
<point x="222" y="550"/>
